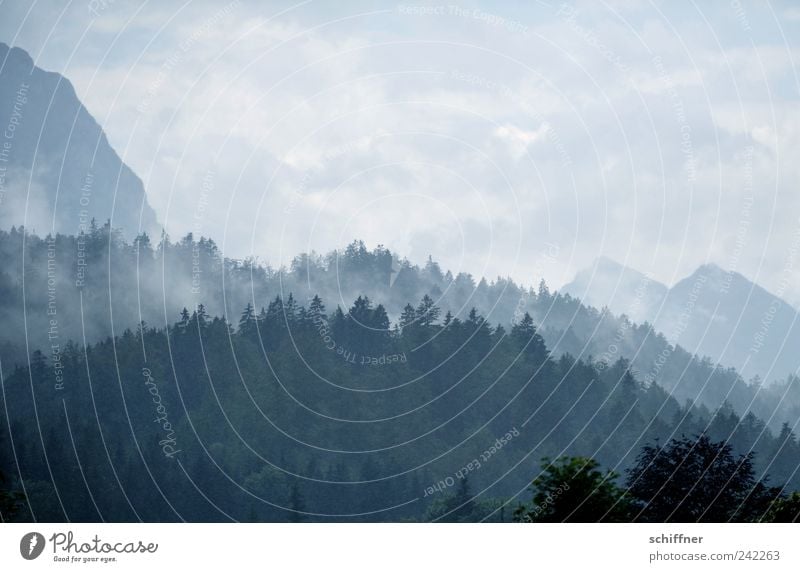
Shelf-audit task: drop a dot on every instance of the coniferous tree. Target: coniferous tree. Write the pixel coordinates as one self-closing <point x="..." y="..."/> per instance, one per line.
<point x="696" y="480"/>
<point x="184" y="321"/>
<point x="427" y="312"/>
<point x="408" y="317"/>
<point x="247" y="322"/>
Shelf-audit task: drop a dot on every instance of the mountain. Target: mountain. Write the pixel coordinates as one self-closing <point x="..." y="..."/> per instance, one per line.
<point x="733" y="321"/>
<point x="714" y="313"/>
<point x="621" y="289"/>
<point x="57" y="169"/>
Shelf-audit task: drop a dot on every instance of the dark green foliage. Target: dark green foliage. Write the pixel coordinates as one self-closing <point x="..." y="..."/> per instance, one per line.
<point x="697" y="480"/>
<point x="461" y="506"/>
<point x="12" y="501"/>
<point x="275" y="402"/>
<point x="427" y="312"/>
<point x="785" y="509"/>
<point x="133" y="282"/>
<point x="573" y="489"/>
<point x="261" y="419"/>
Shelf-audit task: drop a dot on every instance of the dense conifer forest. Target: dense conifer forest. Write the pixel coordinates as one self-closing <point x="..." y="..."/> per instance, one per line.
<point x="304" y="409"/>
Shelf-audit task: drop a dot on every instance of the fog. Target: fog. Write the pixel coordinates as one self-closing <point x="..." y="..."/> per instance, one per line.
<point x="476" y="133"/>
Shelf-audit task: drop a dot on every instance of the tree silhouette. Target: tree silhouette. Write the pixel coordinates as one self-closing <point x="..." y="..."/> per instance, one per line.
<point x="11" y="501"/>
<point x="427" y="312"/>
<point x="247" y="322"/>
<point x="573" y="489"/>
<point x="696" y="480"/>
<point x="784" y="509"/>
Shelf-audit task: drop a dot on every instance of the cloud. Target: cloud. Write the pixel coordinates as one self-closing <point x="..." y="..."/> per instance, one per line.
<point x="518" y="139"/>
<point x="600" y="129"/>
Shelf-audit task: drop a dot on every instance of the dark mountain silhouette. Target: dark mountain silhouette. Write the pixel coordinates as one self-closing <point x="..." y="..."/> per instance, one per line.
<point x="57" y="169"/>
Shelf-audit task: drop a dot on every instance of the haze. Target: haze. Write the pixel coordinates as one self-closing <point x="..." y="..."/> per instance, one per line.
<point x="489" y="136"/>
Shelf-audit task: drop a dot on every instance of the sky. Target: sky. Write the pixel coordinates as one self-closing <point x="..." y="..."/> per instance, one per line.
<point x="520" y="139"/>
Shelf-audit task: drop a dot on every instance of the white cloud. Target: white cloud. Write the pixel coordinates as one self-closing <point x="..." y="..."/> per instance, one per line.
<point x="518" y="139"/>
<point x="602" y="132"/>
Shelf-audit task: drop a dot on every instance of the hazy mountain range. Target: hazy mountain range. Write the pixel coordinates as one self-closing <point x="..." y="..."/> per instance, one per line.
<point x="106" y="321"/>
<point x="712" y="312"/>
<point x="57" y="169"/>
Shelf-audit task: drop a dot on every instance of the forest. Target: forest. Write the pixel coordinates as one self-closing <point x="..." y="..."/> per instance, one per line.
<point x="304" y="410"/>
<point x="88" y="287"/>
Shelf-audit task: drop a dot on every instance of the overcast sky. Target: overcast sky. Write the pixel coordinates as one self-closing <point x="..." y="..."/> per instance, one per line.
<point x="490" y="135"/>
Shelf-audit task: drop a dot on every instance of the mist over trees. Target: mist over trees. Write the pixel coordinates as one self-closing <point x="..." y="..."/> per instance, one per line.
<point x="57" y="167"/>
<point x="168" y="382"/>
<point x="94" y="285"/>
<point x="299" y="412"/>
<point x="148" y="377"/>
<point x="711" y="312"/>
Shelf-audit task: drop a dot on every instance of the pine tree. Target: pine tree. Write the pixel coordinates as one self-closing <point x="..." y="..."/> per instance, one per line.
<point x="361" y="310"/>
<point x="379" y="320"/>
<point x="275" y="319"/>
<point x="316" y="310"/>
<point x="408" y="317"/>
<point x="427" y="312"/>
<point x="184" y="322"/>
<point x="247" y="322"/>
<point x="200" y="316"/>
<point x="544" y="291"/>
<point x="290" y="309"/>
<point x="525" y="335"/>
<point x="433" y="272"/>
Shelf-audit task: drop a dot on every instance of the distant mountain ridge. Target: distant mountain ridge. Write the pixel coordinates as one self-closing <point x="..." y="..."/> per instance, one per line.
<point x="623" y="290"/>
<point x="712" y="312"/>
<point x="60" y="162"/>
<point x="57" y="168"/>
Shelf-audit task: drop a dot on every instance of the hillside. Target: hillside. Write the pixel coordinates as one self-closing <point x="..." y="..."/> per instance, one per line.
<point x="712" y="312"/>
<point x="57" y="168"/>
<point x="301" y="413"/>
<point x="96" y="285"/>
